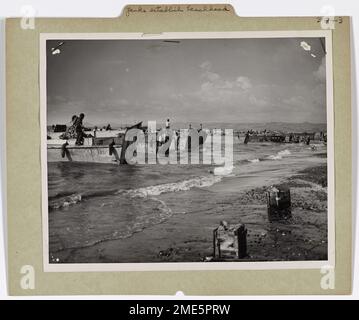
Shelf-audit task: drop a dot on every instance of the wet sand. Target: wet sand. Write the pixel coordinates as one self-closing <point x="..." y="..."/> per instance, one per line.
<point x="187" y="236"/>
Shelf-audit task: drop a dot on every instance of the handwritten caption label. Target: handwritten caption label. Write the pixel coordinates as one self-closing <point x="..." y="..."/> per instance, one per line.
<point x="176" y="9"/>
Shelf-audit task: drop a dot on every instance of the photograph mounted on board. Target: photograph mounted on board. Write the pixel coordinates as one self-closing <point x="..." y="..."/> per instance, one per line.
<point x="186" y="150"/>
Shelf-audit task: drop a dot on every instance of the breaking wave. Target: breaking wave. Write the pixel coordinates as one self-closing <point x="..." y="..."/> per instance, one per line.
<point x="279" y="155"/>
<point x="65" y="202"/>
<point x="223" y="171"/>
<point x="199" y="182"/>
<point x="150" y="191"/>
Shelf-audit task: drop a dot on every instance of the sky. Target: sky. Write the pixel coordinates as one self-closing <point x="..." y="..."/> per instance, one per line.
<point x="193" y="80"/>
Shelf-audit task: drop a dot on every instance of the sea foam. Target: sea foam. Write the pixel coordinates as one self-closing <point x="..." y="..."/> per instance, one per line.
<point x="198" y="182"/>
<point x="66" y="202"/>
<point x="279" y="155"/>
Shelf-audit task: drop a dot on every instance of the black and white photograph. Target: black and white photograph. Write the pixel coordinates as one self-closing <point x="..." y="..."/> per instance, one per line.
<point x="196" y="149"/>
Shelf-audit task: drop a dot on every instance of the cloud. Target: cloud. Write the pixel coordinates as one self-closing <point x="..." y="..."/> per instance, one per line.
<point x="218" y="88"/>
<point x="176" y="96"/>
<point x="212" y="76"/>
<point x="244" y="83"/>
<point x="206" y="65"/>
<point x="296" y="101"/>
<point x="124" y="102"/>
<point x="320" y="73"/>
<point x="319" y="95"/>
<point x="259" y="102"/>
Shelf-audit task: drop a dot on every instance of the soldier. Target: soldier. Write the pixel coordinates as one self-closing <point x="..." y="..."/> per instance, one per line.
<point x="79" y="130"/>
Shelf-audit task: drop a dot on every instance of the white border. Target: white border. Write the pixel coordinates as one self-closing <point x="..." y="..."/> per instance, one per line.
<point x="171" y="266"/>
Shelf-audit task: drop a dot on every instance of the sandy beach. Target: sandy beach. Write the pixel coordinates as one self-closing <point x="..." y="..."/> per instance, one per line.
<point x="186" y="236"/>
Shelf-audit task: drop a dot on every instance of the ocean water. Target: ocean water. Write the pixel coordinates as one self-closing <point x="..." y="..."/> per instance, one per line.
<point x="92" y="203"/>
